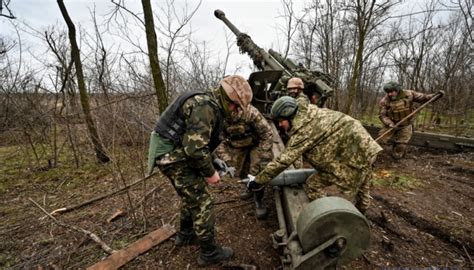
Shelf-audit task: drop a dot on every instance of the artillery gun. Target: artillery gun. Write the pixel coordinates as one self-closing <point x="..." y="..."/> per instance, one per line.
<point x="270" y="82"/>
<point x="321" y="234"/>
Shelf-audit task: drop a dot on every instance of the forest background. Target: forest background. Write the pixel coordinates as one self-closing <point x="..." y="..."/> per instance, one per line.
<point x="77" y="95"/>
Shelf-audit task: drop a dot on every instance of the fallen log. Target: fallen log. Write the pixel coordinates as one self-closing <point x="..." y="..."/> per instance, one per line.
<point x="432" y="140"/>
<point x="123" y="256"/>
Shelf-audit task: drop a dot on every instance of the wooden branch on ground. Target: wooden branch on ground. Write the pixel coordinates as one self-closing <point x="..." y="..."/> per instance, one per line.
<point x="93" y="236"/>
<point x="138" y="204"/>
<point x="140" y="246"/>
<point x="80" y="205"/>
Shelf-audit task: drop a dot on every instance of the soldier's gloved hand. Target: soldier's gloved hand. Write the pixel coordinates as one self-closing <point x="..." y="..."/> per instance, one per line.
<point x="391" y="125"/>
<point x="438" y="95"/>
<point x="219" y="164"/>
<point x="252" y="185"/>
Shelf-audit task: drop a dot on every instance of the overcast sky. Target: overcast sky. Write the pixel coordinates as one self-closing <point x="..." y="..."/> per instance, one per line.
<point x="258" y="18"/>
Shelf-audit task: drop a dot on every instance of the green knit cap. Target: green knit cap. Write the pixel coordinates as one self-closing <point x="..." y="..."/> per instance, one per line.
<point x="284" y="107"/>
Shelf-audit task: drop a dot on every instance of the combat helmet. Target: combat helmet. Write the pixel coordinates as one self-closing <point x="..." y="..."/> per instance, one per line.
<point x="284" y="108"/>
<point x="295" y="82"/>
<point x="391" y="85"/>
<point x="238" y="90"/>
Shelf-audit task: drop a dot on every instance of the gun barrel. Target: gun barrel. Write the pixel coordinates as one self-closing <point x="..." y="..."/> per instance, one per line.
<point x="221" y="16"/>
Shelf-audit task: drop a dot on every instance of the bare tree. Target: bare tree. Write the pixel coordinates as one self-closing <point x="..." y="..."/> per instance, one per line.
<point x="367" y="15"/>
<point x="171" y="27"/>
<point x="153" y="56"/>
<point x="290" y="27"/>
<point x="5" y="4"/>
<point x="76" y="57"/>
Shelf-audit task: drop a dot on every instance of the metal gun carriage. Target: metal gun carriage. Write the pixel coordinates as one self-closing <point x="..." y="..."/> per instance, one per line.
<point x="275" y="70"/>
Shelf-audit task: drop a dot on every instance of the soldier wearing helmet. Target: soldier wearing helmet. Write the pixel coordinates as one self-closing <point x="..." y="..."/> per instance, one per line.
<point x="335" y="144"/>
<point x="295" y="87"/>
<point x="393" y="107"/>
<point x="186" y="134"/>
<point x="247" y="146"/>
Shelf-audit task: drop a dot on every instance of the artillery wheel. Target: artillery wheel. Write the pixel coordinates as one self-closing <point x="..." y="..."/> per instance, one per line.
<point x="324" y="218"/>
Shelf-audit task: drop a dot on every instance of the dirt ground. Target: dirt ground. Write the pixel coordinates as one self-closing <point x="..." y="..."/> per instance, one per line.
<point x="422" y="216"/>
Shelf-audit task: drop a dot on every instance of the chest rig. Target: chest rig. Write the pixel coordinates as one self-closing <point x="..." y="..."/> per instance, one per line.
<point x="172" y="123"/>
<point x="400" y="107"/>
<point x="240" y="134"/>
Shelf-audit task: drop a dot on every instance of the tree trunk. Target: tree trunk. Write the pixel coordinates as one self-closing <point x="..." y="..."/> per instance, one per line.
<point x="76" y="57"/>
<point x="160" y="88"/>
<point x="354" y="82"/>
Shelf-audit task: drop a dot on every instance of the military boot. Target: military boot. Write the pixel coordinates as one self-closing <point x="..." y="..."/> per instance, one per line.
<point x="212" y="253"/>
<point x="260" y="208"/>
<point x="398" y="151"/>
<point x="186" y="234"/>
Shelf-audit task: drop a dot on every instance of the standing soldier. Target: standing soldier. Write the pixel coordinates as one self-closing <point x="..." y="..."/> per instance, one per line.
<point x="394" y="106"/>
<point x="248" y="140"/>
<point x="295" y="87"/>
<point x="335" y="144"/>
<point x="181" y="144"/>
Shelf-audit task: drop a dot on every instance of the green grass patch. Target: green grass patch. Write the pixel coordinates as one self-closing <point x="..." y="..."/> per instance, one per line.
<point x="8" y="260"/>
<point x="371" y="119"/>
<point x="392" y="179"/>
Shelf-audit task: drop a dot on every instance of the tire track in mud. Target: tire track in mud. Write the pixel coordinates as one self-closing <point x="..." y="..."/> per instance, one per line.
<point x="426" y="226"/>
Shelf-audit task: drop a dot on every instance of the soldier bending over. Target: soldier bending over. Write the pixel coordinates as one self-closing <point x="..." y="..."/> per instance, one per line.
<point x="335" y="144"/>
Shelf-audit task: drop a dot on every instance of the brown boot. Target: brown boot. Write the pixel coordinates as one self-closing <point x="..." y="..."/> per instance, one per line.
<point x="398" y="151"/>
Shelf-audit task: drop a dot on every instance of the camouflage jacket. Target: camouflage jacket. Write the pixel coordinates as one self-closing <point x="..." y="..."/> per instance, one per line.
<point x="249" y="128"/>
<point x="199" y="117"/>
<point x="326" y="139"/>
<point x="392" y="111"/>
<point x="303" y="101"/>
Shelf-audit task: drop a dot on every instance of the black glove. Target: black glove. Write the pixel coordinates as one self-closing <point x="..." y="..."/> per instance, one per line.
<point x="219" y="164"/>
<point x="252" y="185"/>
<point x="438" y="95"/>
<point x="223" y="168"/>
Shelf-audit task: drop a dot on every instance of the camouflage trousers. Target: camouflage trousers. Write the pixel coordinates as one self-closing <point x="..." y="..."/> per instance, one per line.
<point x="247" y="160"/>
<point x="196" y="202"/>
<point x="352" y="181"/>
<point x="401" y="135"/>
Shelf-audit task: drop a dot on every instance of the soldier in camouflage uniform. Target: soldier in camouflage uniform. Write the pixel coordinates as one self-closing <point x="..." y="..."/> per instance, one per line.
<point x="335" y="144"/>
<point x="394" y="106"/>
<point x="186" y="134"/>
<point x="295" y="87"/>
<point x="248" y="139"/>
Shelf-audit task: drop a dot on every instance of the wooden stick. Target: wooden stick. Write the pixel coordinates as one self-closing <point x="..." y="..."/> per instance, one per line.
<point x="435" y="97"/>
<point x="93" y="236"/>
<point x="140" y="246"/>
<point x="467" y="254"/>
<point x="80" y="205"/>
